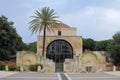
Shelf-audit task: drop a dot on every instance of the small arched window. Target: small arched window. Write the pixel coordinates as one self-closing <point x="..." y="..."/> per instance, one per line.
<point x="59" y="33"/>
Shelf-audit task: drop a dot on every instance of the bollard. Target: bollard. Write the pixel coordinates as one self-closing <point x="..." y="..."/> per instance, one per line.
<point x="6" y="68"/>
<point x="38" y="68"/>
<point x="114" y="68"/>
<point x="21" y="68"/>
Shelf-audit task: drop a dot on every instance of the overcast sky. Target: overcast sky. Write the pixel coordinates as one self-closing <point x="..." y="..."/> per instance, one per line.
<point x="96" y="19"/>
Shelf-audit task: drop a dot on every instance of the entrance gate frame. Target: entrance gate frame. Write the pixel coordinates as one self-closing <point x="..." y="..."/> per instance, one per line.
<point x="58" y="50"/>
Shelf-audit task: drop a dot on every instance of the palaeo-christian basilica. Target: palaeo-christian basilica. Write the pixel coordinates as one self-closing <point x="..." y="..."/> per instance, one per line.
<point x="63" y="53"/>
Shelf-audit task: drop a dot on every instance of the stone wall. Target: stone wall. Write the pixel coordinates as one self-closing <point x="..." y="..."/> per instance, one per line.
<point x="64" y="32"/>
<point x="72" y="65"/>
<point x="49" y="65"/>
<point x="89" y="61"/>
<point x="94" y="61"/>
<point x="26" y="58"/>
<point x="75" y="41"/>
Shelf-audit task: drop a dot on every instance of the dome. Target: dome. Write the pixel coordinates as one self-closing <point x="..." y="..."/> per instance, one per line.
<point x="62" y="25"/>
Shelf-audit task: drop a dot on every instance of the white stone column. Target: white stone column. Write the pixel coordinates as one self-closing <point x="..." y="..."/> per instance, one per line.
<point x="114" y="68"/>
<point x="21" y="68"/>
<point x="6" y="68"/>
<point x="38" y="68"/>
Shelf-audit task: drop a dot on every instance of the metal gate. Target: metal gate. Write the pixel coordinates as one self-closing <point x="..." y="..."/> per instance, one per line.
<point x="59" y="67"/>
<point x="58" y="51"/>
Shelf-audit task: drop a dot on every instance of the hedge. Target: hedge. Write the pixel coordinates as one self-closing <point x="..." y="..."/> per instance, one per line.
<point x="35" y="66"/>
<point x="2" y="65"/>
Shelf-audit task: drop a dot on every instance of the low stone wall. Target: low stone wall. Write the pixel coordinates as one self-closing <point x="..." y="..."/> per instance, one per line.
<point x="72" y="65"/>
<point x="49" y="65"/>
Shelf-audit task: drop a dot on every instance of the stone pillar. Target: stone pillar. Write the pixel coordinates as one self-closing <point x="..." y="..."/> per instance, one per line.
<point x="38" y="68"/>
<point x="43" y="61"/>
<point x="114" y="68"/>
<point x="6" y="68"/>
<point x="77" y="63"/>
<point x="21" y="68"/>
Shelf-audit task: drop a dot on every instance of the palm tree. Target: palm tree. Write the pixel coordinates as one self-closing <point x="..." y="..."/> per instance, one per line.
<point x="44" y="18"/>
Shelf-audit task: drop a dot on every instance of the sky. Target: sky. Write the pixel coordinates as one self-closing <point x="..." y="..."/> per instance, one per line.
<point x="96" y="19"/>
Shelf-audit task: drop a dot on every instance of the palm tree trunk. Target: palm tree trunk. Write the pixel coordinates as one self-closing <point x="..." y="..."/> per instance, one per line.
<point x="44" y="36"/>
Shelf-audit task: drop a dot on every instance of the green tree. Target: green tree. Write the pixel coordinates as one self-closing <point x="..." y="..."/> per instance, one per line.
<point x="9" y="39"/>
<point x="114" y="49"/>
<point x="43" y="19"/>
<point x="88" y="44"/>
<point x="32" y="47"/>
<point x="102" y="45"/>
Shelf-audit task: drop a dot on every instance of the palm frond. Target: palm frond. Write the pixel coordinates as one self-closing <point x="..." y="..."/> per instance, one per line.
<point x="42" y="17"/>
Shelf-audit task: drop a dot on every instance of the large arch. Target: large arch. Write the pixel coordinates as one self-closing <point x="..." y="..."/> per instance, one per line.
<point x="58" y="50"/>
<point x="90" y="61"/>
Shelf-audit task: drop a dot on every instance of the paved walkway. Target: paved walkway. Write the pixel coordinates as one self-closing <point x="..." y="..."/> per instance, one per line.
<point x="114" y="73"/>
<point x="31" y="76"/>
<point x="4" y="75"/>
<point x="93" y="76"/>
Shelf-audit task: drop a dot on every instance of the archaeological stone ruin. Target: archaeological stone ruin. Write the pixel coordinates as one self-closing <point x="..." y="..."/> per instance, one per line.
<point x="63" y="53"/>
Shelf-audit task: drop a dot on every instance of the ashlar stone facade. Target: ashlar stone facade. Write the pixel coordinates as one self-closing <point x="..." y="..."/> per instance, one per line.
<point x="75" y="41"/>
<point x="67" y="34"/>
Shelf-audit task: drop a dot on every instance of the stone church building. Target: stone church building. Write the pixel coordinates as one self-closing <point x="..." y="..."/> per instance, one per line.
<point x="63" y="53"/>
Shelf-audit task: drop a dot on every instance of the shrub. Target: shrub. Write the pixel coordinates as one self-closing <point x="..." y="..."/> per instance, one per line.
<point x="34" y="67"/>
<point x="118" y="68"/>
<point x="9" y="63"/>
<point x="18" y="68"/>
<point x="11" y="66"/>
<point x="2" y="65"/>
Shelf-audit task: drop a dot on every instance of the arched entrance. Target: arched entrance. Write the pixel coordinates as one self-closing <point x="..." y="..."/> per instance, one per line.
<point x="90" y="61"/>
<point x="58" y="51"/>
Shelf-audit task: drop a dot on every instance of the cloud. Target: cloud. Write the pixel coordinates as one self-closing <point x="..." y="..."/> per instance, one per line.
<point x="97" y="19"/>
<point x="112" y="16"/>
<point x="95" y="22"/>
